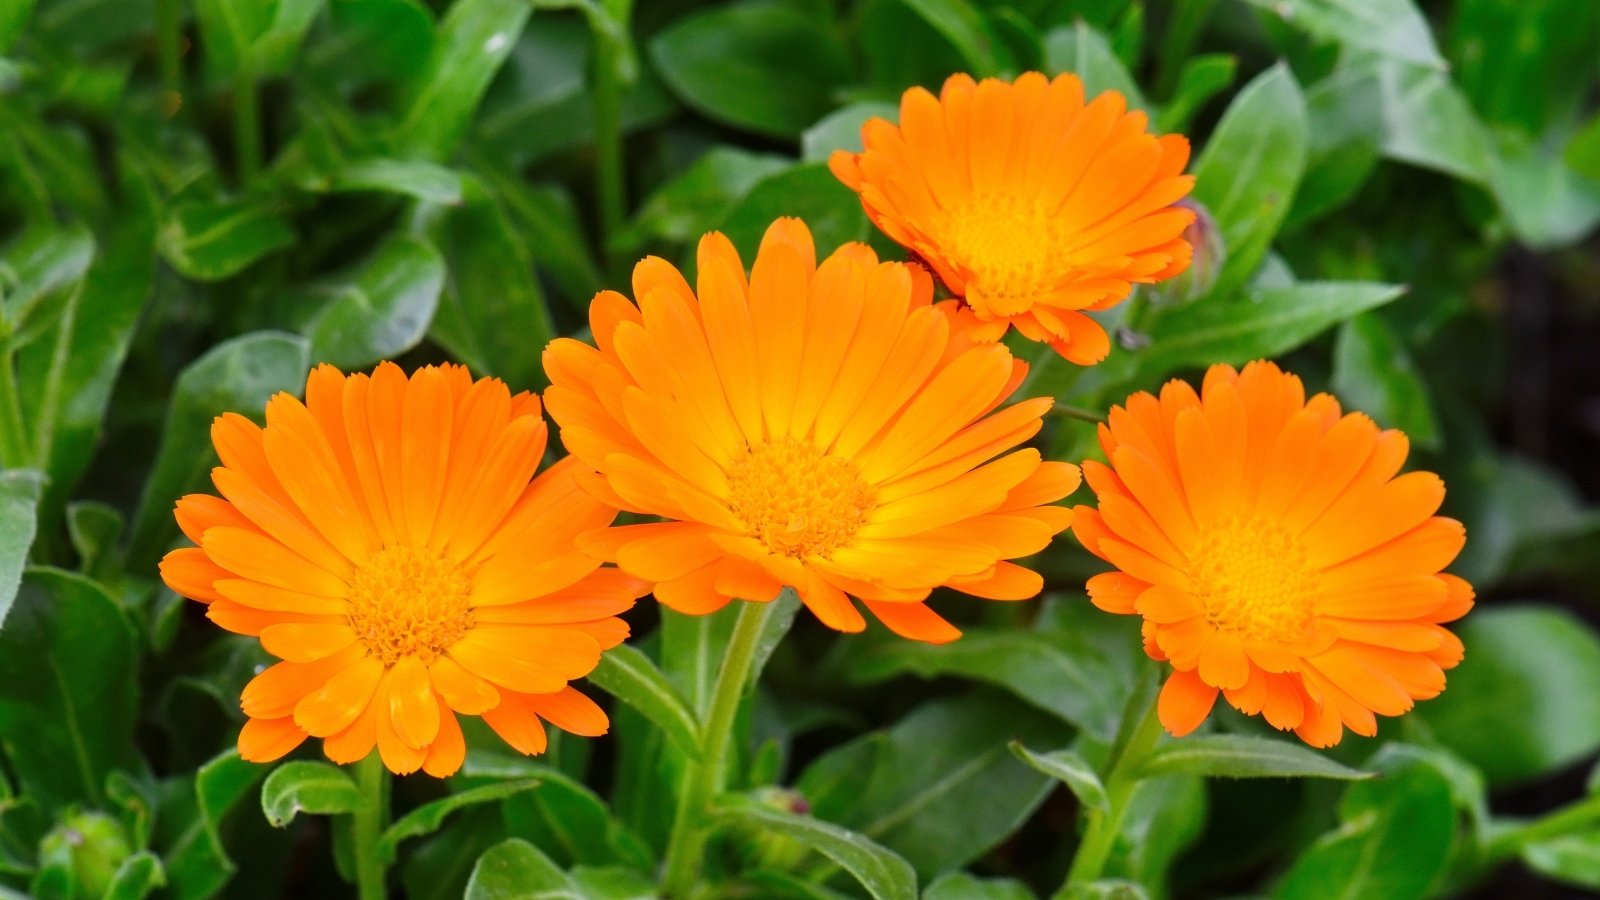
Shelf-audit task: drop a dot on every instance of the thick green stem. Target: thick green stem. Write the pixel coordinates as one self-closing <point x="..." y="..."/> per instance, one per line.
<point x="371" y="818"/>
<point x="246" y="124"/>
<point x="708" y="776"/>
<point x="1103" y="825"/>
<point x="609" y="188"/>
<point x="13" y="433"/>
<point x="169" y="43"/>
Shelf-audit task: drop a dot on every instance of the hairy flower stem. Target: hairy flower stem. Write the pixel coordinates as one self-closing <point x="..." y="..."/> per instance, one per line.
<point x="1103" y="825"/>
<point x="371" y="818"/>
<point x="708" y="777"/>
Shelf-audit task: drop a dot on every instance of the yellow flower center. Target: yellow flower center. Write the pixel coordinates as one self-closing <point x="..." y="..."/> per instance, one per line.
<point x="1011" y="245"/>
<point x="796" y="500"/>
<point x="1253" y="578"/>
<point x="409" y="602"/>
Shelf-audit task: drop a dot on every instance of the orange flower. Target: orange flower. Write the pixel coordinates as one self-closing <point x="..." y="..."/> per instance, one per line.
<point x="812" y="426"/>
<point x="1029" y="204"/>
<point x="385" y="541"/>
<point x="1274" y="554"/>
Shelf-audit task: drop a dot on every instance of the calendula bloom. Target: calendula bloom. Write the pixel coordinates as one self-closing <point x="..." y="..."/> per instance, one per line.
<point x="1274" y="554"/>
<point x="811" y="426"/>
<point x="1030" y="204"/>
<point x="388" y="541"/>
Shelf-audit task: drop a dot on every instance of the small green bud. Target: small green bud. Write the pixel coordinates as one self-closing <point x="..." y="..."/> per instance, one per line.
<point x="95" y="843"/>
<point x="1209" y="254"/>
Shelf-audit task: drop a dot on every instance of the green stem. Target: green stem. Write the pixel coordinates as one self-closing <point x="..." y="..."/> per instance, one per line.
<point x="371" y="818"/>
<point x="609" y="187"/>
<point x="1073" y="412"/>
<point x="1104" y="825"/>
<point x="1568" y="820"/>
<point x="708" y="776"/>
<point x="1183" y="30"/>
<point x="169" y="43"/>
<point x="246" y="124"/>
<point x="13" y="433"/>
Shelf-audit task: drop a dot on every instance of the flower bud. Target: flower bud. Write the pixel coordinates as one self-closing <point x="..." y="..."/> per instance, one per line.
<point x="94" y="843"/>
<point x="1209" y="255"/>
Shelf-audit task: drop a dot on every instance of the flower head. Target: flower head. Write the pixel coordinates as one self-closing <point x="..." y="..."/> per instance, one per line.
<point x="388" y="540"/>
<point x="815" y="426"/>
<point x="1030" y="204"/>
<point x="1274" y="554"/>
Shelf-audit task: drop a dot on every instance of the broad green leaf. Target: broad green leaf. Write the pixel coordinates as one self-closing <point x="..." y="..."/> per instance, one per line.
<point x="229" y="30"/>
<point x="1165" y="815"/>
<point x="42" y="261"/>
<point x="197" y="863"/>
<point x="629" y="675"/>
<point x="1263" y="323"/>
<point x="136" y="878"/>
<point x="427" y="818"/>
<point x="1534" y="665"/>
<point x="1547" y="204"/>
<point x="1572" y="859"/>
<point x="552" y="233"/>
<point x="811" y="193"/>
<point x="19" y="498"/>
<point x="1395" y="838"/>
<point x="13" y="20"/>
<point x="759" y="65"/>
<point x="238" y="375"/>
<point x="1242" y="756"/>
<point x="1515" y="507"/>
<point x="306" y="786"/>
<point x="210" y="241"/>
<point x="885" y="875"/>
<point x="1201" y="79"/>
<point x="1104" y="889"/>
<point x="692" y="203"/>
<point x="1427" y="121"/>
<point x="962" y="23"/>
<point x="1392" y="28"/>
<point x="94" y="528"/>
<point x="370" y="41"/>
<point x="473" y="41"/>
<point x="1583" y="151"/>
<point x="841" y="129"/>
<point x="1373" y="372"/>
<point x="517" y="870"/>
<point x="1248" y="172"/>
<point x="412" y="178"/>
<point x="1086" y="53"/>
<point x="441" y="866"/>
<point x="64" y="725"/>
<point x="1347" y="130"/>
<point x="961" y="886"/>
<point x="275" y="51"/>
<point x="1052" y="670"/>
<point x="614" y="883"/>
<point x="493" y="316"/>
<point x="939" y="788"/>
<point x="1525" y="65"/>
<point x="380" y="310"/>
<point x="1070" y="769"/>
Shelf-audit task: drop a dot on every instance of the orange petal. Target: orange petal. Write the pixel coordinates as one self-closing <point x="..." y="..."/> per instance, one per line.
<point x="570" y="710"/>
<point x="264" y="740"/>
<point x="1185" y="702"/>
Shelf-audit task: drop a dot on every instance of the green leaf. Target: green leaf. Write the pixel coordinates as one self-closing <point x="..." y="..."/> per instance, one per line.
<point x="410" y="178"/>
<point x="613" y="883"/>
<point x="1242" y="756"/>
<point x="380" y="310"/>
<point x="1428" y="122"/>
<point x="229" y="30"/>
<point x="1373" y="372"/>
<point x="1583" y="151"/>
<point x="810" y="192"/>
<point x="237" y="375"/>
<point x="492" y="315"/>
<point x="760" y="65"/>
<point x="700" y="196"/>
<point x="301" y="786"/>
<point x="629" y="675"/>
<point x="961" y="886"/>
<point x="516" y="870"/>
<point x="1104" y="889"/>
<point x="885" y="875"/>
<point x="94" y="528"/>
<point x="64" y="725"/>
<point x="136" y="878"/>
<point x="1394" y="841"/>
<point x="1265" y="323"/>
<point x="1572" y="859"/>
<point x="1547" y="204"/>
<point x="1392" y="28"/>
<point x="210" y="241"/>
<point x="197" y="863"/>
<point x="1086" y="53"/>
<point x="1052" y="670"/>
<point x="473" y="41"/>
<point x="42" y="261"/>
<point x="939" y="788"/>
<point x="1248" y="172"/>
<point x="1537" y="666"/>
<point x="841" y="129"/>
<point x="1201" y="79"/>
<point x="1070" y="769"/>
<point x="964" y="26"/>
<point x="19" y="497"/>
<point x="427" y="818"/>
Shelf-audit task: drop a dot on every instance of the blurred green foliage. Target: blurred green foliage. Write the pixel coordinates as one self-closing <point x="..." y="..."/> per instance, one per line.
<point x="200" y="199"/>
